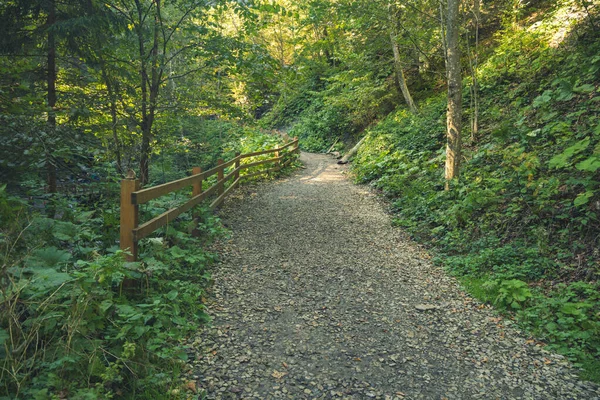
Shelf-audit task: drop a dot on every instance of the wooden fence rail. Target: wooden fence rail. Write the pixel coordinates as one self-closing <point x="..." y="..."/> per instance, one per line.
<point x="132" y="196"/>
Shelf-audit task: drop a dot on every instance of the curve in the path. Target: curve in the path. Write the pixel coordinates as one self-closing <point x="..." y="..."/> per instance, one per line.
<point x="318" y="296"/>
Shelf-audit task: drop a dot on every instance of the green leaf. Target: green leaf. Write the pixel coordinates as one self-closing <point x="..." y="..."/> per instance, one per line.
<point x="565" y="90"/>
<point x="561" y="160"/>
<point x="139" y="331"/>
<point x="592" y="164"/>
<point x="583" y="198"/>
<point x="48" y="257"/>
<point x="179" y="320"/>
<point x="65" y="231"/>
<point x="551" y="326"/>
<point x="125" y="310"/>
<point x="105" y="305"/>
<point x="182" y="355"/>
<point x="172" y="295"/>
<point x="177" y="252"/>
<point x="587" y="88"/>
<point x="542" y="99"/>
<point x="47" y="278"/>
<point x="574" y="309"/>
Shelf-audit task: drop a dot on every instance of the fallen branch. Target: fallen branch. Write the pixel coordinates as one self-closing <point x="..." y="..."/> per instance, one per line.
<point x="333" y="145"/>
<point x="352" y="151"/>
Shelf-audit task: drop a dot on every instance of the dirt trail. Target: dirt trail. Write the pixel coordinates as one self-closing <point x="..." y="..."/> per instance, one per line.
<point x="318" y="296"/>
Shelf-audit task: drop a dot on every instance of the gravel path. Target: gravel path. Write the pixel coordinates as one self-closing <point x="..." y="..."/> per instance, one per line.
<point x="318" y="296"/>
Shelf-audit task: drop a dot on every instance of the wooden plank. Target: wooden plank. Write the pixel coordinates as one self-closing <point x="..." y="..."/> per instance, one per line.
<point x="220" y="182"/>
<point x="237" y="167"/>
<point x="229" y="163"/>
<point x="288" y="144"/>
<point x="145" y="195"/>
<point x="197" y="186"/>
<point x="148" y="227"/>
<point x="222" y="197"/>
<point x="196" y="190"/>
<point x="129" y="218"/>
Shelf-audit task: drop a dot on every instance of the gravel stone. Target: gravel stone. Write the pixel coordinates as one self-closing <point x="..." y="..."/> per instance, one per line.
<point x="318" y="296"/>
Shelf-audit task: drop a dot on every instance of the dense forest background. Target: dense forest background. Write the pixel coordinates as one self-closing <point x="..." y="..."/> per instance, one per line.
<point x="90" y="90"/>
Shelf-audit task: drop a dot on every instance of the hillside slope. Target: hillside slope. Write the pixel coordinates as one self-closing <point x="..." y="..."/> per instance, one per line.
<point x="521" y="227"/>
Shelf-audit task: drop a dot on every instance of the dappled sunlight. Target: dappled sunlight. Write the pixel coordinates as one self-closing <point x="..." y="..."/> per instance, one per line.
<point x="324" y="174"/>
<point x="560" y="25"/>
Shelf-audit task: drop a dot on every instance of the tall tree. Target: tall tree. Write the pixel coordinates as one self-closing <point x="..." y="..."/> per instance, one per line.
<point x="454" y="112"/>
<point x="473" y="67"/>
<point x="398" y="63"/>
<point x="51" y="75"/>
<point x="154" y="38"/>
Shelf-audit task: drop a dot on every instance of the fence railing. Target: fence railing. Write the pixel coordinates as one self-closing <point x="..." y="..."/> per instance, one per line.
<point x="132" y="196"/>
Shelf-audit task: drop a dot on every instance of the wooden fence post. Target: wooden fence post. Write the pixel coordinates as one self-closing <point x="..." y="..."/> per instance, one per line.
<point x="297" y="149"/>
<point x="196" y="190"/>
<point x="129" y="216"/>
<point x="197" y="187"/>
<point x="237" y="166"/>
<point x="278" y="162"/>
<point x="220" y="176"/>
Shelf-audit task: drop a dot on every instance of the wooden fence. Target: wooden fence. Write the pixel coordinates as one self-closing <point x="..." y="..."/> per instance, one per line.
<point x="132" y="196"/>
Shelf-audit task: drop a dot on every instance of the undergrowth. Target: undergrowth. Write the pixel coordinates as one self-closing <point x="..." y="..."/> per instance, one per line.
<point x="521" y="227"/>
<point x="76" y="320"/>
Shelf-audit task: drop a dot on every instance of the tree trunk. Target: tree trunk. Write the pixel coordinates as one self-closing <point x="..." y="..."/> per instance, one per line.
<point x="398" y="64"/>
<point x="327" y="51"/>
<point x="51" y="81"/>
<point x="475" y="124"/>
<point x="150" y="90"/>
<point x="474" y="63"/>
<point x="454" y="113"/>
<point x="112" y="98"/>
<point x="145" y="126"/>
<point x="400" y="74"/>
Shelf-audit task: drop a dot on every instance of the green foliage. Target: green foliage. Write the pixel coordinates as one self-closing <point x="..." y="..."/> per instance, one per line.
<point x="512" y="294"/>
<point x="524" y="214"/>
<point x="196" y="142"/>
<point x="88" y="324"/>
<point x="319" y="125"/>
<point x="568" y="318"/>
<point x="78" y="320"/>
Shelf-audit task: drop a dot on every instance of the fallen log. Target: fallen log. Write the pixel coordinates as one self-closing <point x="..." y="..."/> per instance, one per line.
<point x="352" y="151"/>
